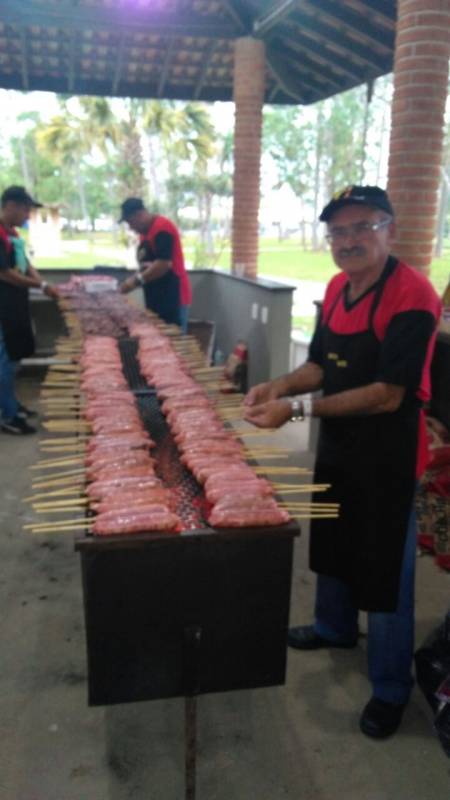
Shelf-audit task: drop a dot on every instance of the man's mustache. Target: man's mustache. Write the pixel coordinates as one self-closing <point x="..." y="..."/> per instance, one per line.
<point x="345" y="252"/>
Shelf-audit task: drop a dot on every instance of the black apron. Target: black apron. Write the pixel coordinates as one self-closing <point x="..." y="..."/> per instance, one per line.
<point x="370" y="462"/>
<point x="15" y="321"/>
<point x="163" y="297"/>
<point x="163" y="294"/>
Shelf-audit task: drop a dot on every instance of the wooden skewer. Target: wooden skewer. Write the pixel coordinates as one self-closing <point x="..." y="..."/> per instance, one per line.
<point x="206" y="371"/>
<point x="265" y="448"/>
<point x="68" y="427"/>
<point x="68" y="473"/>
<point x="281" y="470"/>
<point x="317" y="506"/>
<point x="60" y="528"/>
<point x="263" y="456"/>
<point x="70" y="481"/>
<point x="58" y="462"/>
<point x="68" y="448"/>
<point x="62" y="503"/>
<point x="65" y="492"/>
<point x="315" y="516"/>
<point x="55" y="523"/>
<point x="70" y="507"/>
<point x="279" y="485"/>
<point x="306" y="487"/>
<point x="64" y="440"/>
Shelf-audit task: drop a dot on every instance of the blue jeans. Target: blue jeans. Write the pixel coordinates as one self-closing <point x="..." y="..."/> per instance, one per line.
<point x="184" y="316"/>
<point x="8" y="401"/>
<point x="390" y="635"/>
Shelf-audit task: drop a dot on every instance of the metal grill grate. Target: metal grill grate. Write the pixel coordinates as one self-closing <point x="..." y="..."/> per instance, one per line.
<point x="189" y="500"/>
<point x="128" y="350"/>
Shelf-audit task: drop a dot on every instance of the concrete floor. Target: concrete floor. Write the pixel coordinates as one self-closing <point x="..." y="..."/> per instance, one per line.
<point x="297" y="742"/>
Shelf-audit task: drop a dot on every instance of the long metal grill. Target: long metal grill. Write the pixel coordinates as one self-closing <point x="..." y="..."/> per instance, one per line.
<point x="189" y="500"/>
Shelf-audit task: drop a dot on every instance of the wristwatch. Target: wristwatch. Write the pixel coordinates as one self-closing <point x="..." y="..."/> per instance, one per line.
<point x="43" y="286"/>
<point x="297" y="413"/>
<point x="139" y="279"/>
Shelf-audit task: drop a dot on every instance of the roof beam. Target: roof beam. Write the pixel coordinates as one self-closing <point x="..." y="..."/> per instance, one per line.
<point x="283" y="75"/>
<point x="237" y="14"/>
<point x="23" y="13"/>
<point x="332" y="36"/>
<point x="276" y="13"/>
<point x="303" y="63"/>
<point x="102" y="88"/>
<point x="301" y="43"/>
<point x="204" y="70"/>
<point x="165" y="67"/>
<point x="301" y="77"/>
<point x="354" y="21"/>
<point x="383" y="8"/>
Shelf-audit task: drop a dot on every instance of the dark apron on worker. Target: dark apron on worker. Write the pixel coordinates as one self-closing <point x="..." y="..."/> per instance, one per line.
<point x="370" y="462"/>
<point x="163" y="294"/>
<point x="15" y="320"/>
<point x="163" y="297"/>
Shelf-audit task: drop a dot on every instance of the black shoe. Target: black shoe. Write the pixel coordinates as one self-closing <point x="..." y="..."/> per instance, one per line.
<point x="305" y="637"/>
<point x="380" y="719"/>
<point x="24" y="412"/>
<point x="17" y="426"/>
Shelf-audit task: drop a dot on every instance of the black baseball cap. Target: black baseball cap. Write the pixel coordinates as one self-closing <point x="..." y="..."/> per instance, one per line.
<point x="18" y="194"/>
<point x="371" y="196"/>
<point x="129" y="207"/>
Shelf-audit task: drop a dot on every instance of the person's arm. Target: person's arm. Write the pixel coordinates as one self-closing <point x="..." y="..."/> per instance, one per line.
<point x="152" y="270"/>
<point x="403" y="353"/>
<point x="47" y="288"/>
<point x="375" y="398"/>
<point x="307" y="378"/>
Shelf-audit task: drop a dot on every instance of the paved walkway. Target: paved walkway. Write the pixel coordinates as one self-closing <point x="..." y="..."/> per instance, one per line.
<point x="295" y="742"/>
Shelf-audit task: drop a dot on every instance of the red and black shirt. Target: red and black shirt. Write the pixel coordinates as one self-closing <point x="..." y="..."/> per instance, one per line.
<point x="404" y="322"/>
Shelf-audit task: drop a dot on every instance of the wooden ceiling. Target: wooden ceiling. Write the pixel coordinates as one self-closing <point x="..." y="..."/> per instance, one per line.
<point x="183" y="49"/>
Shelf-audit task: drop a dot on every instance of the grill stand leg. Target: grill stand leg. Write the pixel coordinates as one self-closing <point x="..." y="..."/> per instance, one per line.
<point x="190" y="711"/>
<point x="191" y="677"/>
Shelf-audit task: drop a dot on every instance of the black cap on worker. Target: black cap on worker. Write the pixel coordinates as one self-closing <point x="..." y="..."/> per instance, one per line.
<point x="371" y="196"/>
<point x="18" y="194"/>
<point x="129" y="207"/>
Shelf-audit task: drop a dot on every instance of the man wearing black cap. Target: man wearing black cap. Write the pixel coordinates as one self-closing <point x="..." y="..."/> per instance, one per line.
<point x="162" y="273"/>
<point x="370" y="356"/>
<point x="17" y="276"/>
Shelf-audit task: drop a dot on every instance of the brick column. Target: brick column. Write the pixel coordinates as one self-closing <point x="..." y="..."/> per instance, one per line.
<point x="422" y="52"/>
<point x="249" y="86"/>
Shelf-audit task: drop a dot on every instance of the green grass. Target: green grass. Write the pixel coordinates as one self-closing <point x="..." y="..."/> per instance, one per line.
<point x="285" y="259"/>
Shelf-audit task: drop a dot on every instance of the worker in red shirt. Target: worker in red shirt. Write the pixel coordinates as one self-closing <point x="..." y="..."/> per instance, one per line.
<point x="370" y="356"/>
<point x="162" y="273"/>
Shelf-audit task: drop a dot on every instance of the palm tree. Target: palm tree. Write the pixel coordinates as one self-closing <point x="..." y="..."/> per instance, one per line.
<point x="176" y="132"/>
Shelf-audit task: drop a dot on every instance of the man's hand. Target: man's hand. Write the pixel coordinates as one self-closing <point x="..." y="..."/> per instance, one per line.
<point x="269" y="415"/>
<point x="261" y="393"/>
<point x="51" y="291"/>
<point x="128" y="285"/>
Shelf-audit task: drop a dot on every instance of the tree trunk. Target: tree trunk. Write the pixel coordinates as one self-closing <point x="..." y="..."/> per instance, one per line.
<point x="317" y="170"/>
<point x="152" y="163"/>
<point x="81" y="195"/>
<point x="24" y="165"/>
<point x="208" y="228"/>
<point x="369" y="92"/>
<point x="442" y="218"/>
